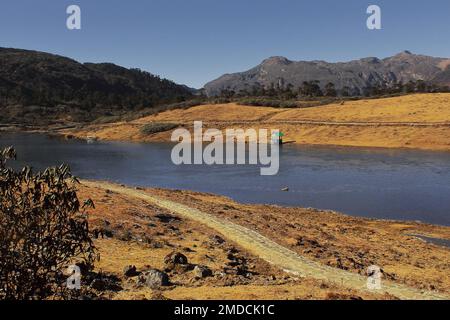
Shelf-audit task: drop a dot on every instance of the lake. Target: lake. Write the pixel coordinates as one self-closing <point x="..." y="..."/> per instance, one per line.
<point x="376" y="183"/>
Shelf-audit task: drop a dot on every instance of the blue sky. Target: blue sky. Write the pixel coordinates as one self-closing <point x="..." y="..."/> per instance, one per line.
<point x="195" y="41"/>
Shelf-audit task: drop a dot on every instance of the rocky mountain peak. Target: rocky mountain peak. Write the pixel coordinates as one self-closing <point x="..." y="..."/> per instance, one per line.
<point x="276" y="60"/>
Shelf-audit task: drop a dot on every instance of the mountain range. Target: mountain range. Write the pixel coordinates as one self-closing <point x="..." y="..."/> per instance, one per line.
<point x="356" y="75"/>
<point x="36" y="85"/>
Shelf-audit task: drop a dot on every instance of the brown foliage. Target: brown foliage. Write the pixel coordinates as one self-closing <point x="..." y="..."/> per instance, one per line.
<point x="43" y="228"/>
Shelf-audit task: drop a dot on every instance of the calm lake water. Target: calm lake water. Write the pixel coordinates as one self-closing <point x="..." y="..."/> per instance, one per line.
<point x="377" y="183"/>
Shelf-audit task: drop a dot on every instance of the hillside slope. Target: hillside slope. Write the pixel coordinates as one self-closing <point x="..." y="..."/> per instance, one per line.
<point x="56" y="84"/>
<point x="420" y="121"/>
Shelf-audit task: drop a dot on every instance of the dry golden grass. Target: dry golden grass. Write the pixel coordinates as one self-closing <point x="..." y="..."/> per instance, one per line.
<point x="372" y="113"/>
<point x="328" y="238"/>
<point x="411" y="108"/>
<point x="125" y="213"/>
<point x="214" y="112"/>
<point x="338" y="240"/>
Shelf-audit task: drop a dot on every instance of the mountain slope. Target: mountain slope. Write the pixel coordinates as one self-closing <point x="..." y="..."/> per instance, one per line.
<point x="358" y="75"/>
<point x="47" y="80"/>
<point x="443" y="78"/>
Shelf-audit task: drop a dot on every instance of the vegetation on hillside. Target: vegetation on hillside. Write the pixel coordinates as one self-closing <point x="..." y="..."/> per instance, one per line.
<point x="46" y="84"/>
<point x="313" y="89"/>
<point x="155" y="127"/>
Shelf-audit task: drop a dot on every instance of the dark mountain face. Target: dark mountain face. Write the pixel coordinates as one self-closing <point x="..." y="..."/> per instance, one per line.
<point x="443" y="78"/>
<point x="42" y="79"/>
<point x="357" y="75"/>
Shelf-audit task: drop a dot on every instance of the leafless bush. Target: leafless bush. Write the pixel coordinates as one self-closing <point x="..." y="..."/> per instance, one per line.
<point x="43" y="228"/>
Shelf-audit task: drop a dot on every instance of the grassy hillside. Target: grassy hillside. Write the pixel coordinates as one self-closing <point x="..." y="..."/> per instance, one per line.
<point x="416" y="121"/>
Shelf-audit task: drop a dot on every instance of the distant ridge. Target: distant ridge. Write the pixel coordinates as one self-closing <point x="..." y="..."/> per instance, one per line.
<point x="356" y="75"/>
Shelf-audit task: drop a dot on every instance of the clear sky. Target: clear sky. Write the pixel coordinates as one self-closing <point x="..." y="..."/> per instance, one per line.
<point x="195" y="41"/>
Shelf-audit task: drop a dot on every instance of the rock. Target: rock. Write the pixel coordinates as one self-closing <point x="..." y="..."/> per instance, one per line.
<point x="202" y="272"/>
<point x="98" y="284"/>
<point x="153" y="279"/>
<point x="175" y="258"/>
<point x="130" y="271"/>
<point x="217" y="239"/>
<point x="233" y="250"/>
<point x="159" y="296"/>
<point x="231" y="256"/>
<point x="166" y="218"/>
<point x="106" y="282"/>
<point x="84" y="267"/>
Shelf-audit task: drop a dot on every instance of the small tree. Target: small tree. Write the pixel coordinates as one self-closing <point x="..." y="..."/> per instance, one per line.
<point x="41" y="230"/>
<point x="330" y="90"/>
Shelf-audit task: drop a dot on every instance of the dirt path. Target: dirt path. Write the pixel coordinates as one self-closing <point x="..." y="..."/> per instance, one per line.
<point x="269" y="250"/>
<point x="331" y="123"/>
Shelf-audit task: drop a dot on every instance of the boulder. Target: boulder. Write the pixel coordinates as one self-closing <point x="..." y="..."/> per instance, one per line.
<point x="175" y="258"/>
<point x="202" y="272"/>
<point x="153" y="279"/>
<point x="98" y="284"/>
<point x="217" y="240"/>
<point x="130" y="271"/>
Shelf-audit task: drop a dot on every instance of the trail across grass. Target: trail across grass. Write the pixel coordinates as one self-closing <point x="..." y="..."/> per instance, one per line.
<point x="269" y="250"/>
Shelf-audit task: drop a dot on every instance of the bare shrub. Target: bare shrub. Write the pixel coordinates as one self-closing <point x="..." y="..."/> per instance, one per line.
<point x="43" y="229"/>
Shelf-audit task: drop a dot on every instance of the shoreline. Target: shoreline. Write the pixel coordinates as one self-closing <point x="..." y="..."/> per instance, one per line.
<point x="329" y="239"/>
<point x="158" y="139"/>
<point x="293" y="207"/>
<point x="410" y="122"/>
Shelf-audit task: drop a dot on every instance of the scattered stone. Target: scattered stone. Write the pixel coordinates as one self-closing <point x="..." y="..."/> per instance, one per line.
<point x="175" y="258"/>
<point x="202" y="272"/>
<point x="125" y="235"/>
<point x="341" y="296"/>
<point x="98" y="284"/>
<point x="106" y="282"/>
<point x="231" y="256"/>
<point x="217" y="239"/>
<point x="156" y="244"/>
<point x="233" y="250"/>
<point x="159" y="297"/>
<point x="166" y="218"/>
<point x="153" y="279"/>
<point x="130" y="271"/>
